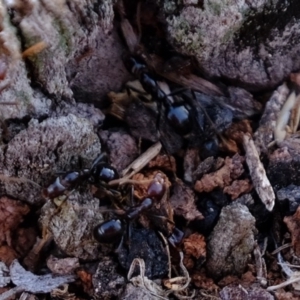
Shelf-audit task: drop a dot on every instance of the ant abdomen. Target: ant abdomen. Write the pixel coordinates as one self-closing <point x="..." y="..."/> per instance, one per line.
<point x="65" y="182"/>
<point x="110" y="231"/>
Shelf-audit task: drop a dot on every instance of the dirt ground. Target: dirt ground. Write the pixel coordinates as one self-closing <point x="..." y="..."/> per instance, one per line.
<point x="149" y="150"/>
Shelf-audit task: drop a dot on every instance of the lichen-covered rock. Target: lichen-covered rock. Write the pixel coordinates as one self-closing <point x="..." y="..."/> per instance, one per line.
<point x="80" y="110"/>
<point x="72" y="225"/>
<point x="43" y="149"/>
<point x="15" y="86"/>
<point x="252" y="43"/>
<point x="65" y="47"/>
<point x="231" y="242"/>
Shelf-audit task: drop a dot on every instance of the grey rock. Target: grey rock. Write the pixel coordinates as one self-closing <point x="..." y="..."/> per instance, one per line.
<point x="106" y="281"/>
<point x="44" y="149"/>
<point x="231" y="242"/>
<point x="254" y="44"/>
<point x="72" y="225"/>
<point x="239" y="293"/>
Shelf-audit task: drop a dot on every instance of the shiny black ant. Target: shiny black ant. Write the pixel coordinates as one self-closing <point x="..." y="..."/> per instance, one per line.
<point x="194" y="116"/>
<point x="177" y="113"/>
<point x="99" y="173"/>
<point x="113" y="230"/>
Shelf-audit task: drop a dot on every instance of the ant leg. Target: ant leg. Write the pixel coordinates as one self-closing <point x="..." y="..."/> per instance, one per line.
<point x="158" y="118"/>
<point x="212" y="124"/>
<point x="101" y="157"/>
<point x="131" y="195"/>
<point x="160" y="217"/>
<point x="162" y="141"/>
<point x="114" y="196"/>
<point x="178" y="91"/>
<point x="129" y="230"/>
<point x="80" y="162"/>
<point x="205" y="112"/>
<point x="120" y="245"/>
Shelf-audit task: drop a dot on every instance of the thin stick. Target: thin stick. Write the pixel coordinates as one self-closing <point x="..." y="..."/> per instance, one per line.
<point x="138" y="164"/>
<point x="283" y="284"/>
<point x="288" y="245"/>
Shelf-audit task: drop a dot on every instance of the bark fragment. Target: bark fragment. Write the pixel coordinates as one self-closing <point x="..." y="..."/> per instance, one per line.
<point x="258" y="174"/>
<point x="121" y="147"/>
<point x="232" y="169"/>
<point x="264" y="135"/>
<point x="237" y="188"/>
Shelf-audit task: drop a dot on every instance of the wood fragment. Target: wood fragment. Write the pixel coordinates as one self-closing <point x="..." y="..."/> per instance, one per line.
<point x="264" y="135"/>
<point x="258" y="175"/>
<point x="288" y="114"/>
<point x="138" y="164"/>
<point x="283" y="284"/>
<point x="287" y="245"/>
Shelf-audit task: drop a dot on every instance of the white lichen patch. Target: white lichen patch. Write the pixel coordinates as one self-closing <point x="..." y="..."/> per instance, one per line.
<point x="196" y="28"/>
<point x="15" y="87"/>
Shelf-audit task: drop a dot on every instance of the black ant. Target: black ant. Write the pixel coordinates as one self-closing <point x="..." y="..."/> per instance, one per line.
<point x="113" y="230"/>
<point x="99" y="173"/>
<point x="178" y="114"/>
<point x="195" y="117"/>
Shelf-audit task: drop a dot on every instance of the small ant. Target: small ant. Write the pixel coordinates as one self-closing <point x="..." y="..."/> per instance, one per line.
<point x="99" y="173"/>
<point x="113" y="230"/>
<point x="178" y="114"/>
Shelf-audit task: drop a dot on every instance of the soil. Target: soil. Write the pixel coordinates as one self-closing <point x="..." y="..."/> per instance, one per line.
<point x="143" y="157"/>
